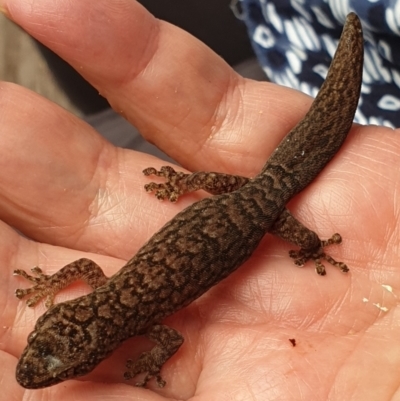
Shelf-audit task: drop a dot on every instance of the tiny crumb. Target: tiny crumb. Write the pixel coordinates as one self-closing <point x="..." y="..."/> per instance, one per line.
<point x="365" y="300"/>
<point x="382" y="308"/>
<point x="293" y="341"/>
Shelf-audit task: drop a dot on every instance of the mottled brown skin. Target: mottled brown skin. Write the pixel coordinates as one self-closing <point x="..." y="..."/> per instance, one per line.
<point x="194" y="251"/>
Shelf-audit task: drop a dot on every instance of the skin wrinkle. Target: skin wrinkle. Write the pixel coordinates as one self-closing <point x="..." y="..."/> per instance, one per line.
<point x="216" y="123"/>
<point x="172" y="66"/>
<point x="221" y="133"/>
<point x="147" y="65"/>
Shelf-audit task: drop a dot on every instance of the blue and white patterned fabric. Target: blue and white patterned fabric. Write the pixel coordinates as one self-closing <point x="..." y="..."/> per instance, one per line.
<point x="295" y="40"/>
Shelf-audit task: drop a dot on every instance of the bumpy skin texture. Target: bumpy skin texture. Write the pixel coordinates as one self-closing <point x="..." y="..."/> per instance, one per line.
<point x="194" y="251"/>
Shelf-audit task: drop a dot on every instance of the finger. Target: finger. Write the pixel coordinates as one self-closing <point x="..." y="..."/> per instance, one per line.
<point x="61" y="183"/>
<point x="180" y="94"/>
<point x="10" y="388"/>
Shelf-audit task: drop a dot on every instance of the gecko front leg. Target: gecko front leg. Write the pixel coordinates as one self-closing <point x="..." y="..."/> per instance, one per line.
<point x="178" y="183"/>
<point x="49" y="285"/>
<point x="167" y="342"/>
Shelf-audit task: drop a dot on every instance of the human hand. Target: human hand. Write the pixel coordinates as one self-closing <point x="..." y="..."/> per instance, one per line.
<point x="75" y="195"/>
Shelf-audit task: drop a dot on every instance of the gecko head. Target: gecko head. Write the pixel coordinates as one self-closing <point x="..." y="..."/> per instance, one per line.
<point x="61" y="347"/>
<point x="39" y="366"/>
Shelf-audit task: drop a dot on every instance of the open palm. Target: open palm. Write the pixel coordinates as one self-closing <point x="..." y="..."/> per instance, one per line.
<point x="72" y="194"/>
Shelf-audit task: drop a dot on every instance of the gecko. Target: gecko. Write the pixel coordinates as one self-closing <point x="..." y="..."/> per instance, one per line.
<point x="195" y="250"/>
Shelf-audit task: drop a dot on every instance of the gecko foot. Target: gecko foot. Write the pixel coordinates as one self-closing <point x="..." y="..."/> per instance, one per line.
<point x="168" y="341"/>
<point x="49" y="285"/>
<point x="41" y="289"/>
<point x="145" y="364"/>
<point x="303" y="255"/>
<point x="172" y="189"/>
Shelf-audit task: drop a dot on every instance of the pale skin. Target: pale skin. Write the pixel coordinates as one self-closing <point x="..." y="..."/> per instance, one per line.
<point x="75" y="195"/>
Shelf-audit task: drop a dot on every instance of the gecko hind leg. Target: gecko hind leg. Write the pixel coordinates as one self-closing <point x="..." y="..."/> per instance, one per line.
<point x="179" y="183"/>
<point x="287" y="227"/>
<point x="303" y="255"/>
